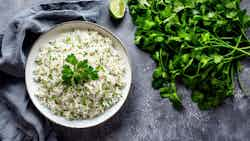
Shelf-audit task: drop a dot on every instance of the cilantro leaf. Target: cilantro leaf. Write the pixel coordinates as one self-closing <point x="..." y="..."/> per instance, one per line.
<point x="76" y="72"/>
<point x="71" y="59"/>
<point x="67" y="74"/>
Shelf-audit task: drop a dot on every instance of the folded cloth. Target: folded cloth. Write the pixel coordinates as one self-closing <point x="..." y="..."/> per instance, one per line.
<point x="19" y="120"/>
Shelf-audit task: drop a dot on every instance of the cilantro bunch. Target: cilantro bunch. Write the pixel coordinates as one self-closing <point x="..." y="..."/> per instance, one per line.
<point x="76" y="72"/>
<point x="199" y="42"/>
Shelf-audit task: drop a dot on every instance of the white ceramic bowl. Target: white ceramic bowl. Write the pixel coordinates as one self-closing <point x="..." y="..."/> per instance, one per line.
<point x="31" y="85"/>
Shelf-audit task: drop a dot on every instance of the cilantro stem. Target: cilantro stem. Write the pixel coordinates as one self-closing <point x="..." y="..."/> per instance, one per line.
<point x="235" y="57"/>
<point x="238" y="49"/>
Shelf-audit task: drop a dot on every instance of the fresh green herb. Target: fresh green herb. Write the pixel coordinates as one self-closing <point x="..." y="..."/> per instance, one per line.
<point x="75" y="72"/>
<point x="199" y="42"/>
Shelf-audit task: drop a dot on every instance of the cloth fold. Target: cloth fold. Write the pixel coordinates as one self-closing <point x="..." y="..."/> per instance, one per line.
<point x="19" y="120"/>
<point x="29" y="24"/>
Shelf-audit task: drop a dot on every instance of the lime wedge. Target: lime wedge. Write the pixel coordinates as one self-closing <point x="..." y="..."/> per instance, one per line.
<point x="117" y="8"/>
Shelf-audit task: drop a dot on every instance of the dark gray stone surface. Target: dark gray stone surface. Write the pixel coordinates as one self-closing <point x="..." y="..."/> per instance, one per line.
<point x="147" y="117"/>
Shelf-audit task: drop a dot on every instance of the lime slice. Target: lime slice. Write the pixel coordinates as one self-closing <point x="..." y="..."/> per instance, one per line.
<point x="117" y="8"/>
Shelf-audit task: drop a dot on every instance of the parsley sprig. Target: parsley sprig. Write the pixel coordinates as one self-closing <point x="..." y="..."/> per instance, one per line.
<point x="76" y="72"/>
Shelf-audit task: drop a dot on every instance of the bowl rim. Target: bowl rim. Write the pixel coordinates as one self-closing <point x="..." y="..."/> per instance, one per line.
<point x="113" y="36"/>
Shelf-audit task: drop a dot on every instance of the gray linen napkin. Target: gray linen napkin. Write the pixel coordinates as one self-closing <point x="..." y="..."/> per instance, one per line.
<point x="19" y="120"/>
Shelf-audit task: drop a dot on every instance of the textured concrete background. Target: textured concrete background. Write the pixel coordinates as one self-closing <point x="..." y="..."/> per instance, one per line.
<point x="147" y="117"/>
